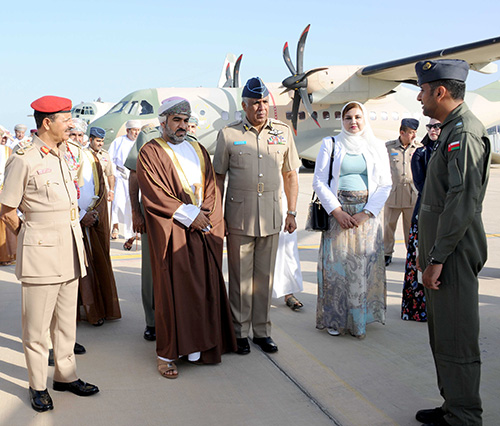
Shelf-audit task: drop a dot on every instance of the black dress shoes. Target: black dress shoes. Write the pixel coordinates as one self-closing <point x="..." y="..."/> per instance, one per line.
<point x="430" y="416"/>
<point x="78" y="387"/>
<point x="388" y="260"/>
<point x="150" y="333"/>
<point x="266" y="344"/>
<point x="79" y="349"/>
<point x="243" y="346"/>
<point x="40" y="400"/>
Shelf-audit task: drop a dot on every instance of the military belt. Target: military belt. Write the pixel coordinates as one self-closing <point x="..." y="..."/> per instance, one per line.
<point x="61" y="216"/>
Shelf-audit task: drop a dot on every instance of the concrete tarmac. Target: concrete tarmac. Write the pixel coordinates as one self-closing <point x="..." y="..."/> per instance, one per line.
<point x="314" y="379"/>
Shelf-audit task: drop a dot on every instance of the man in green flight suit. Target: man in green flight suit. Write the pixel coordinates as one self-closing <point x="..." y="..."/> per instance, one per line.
<point x="452" y="242"/>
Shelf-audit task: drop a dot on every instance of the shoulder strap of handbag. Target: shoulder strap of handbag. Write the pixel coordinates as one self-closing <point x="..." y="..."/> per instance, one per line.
<point x="331" y="161"/>
<point x="331" y="165"/>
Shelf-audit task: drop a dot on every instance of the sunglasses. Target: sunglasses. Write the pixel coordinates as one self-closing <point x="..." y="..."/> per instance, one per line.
<point x="433" y="126"/>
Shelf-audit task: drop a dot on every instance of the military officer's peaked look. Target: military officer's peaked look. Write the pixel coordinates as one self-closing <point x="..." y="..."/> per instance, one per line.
<point x="403" y="194"/>
<point x="452" y="242"/>
<point x="50" y="255"/>
<point x="255" y="152"/>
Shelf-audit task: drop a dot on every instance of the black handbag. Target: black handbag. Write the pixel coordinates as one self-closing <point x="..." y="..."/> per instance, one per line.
<point x="317" y="217"/>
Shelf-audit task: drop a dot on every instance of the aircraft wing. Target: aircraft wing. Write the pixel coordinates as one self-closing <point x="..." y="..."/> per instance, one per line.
<point x="479" y="55"/>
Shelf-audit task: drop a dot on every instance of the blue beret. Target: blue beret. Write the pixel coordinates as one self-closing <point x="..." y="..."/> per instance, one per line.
<point x="255" y="89"/>
<point x="97" y="132"/>
<point x="442" y="69"/>
<point x="410" y="122"/>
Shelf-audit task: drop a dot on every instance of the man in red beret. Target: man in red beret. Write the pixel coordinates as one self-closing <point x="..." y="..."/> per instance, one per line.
<point x="50" y="256"/>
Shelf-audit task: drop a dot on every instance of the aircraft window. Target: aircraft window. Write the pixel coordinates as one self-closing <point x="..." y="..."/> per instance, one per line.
<point x="338" y="115"/>
<point x="118" y="107"/>
<point x="78" y="110"/>
<point x="373" y="115"/>
<point x="202" y="112"/>
<point x="132" y="108"/>
<point x="224" y="115"/>
<point x="302" y="115"/>
<point x="395" y="116"/>
<point x="384" y="116"/>
<point x="315" y="115"/>
<point x="146" y="108"/>
<point x="289" y="115"/>
<point x="326" y="115"/>
<point x="237" y="115"/>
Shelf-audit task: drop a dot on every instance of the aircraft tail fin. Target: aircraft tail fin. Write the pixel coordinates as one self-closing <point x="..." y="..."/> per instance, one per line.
<point x="230" y="74"/>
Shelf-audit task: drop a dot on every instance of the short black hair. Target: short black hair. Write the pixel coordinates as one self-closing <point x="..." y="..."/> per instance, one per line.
<point x="456" y="88"/>
<point x="40" y="116"/>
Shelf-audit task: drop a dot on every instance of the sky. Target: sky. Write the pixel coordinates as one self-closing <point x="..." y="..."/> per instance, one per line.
<point x="107" y="49"/>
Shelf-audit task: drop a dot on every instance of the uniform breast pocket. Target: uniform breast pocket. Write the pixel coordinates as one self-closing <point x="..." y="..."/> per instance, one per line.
<point x="49" y="188"/>
<point x="275" y="155"/>
<point x="41" y="255"/>
<point x="240" y="157"/>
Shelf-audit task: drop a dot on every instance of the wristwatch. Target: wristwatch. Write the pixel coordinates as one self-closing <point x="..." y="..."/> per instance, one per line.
<point x="292" y="212"/>
<point x="368" y="212"/>
<point x="432" y="261"/>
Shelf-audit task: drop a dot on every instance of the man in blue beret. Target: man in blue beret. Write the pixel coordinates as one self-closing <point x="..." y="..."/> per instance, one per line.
<point x="98" y="294"/>
<point x="452" y="242"/>
<point x="403" y="195"/>
<point x="96" y="142"/>
<point x="255" y="152"/>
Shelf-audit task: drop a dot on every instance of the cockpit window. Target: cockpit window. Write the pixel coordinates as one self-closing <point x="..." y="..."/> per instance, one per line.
<point x="118" y="107"/>
<point x="133" y="108"/>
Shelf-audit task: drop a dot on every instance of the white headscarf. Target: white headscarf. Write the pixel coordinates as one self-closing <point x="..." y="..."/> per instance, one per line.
<point x="363" y="141"/>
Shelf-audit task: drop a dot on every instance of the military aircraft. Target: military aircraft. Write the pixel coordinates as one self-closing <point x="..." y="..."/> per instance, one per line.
<point x="311" y="101"/>
<point x="90" y="111"/>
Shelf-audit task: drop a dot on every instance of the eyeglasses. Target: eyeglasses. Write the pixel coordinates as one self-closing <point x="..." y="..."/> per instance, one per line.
<point x="433" y="126"/>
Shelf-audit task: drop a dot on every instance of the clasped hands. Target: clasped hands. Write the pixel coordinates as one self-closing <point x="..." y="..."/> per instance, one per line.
<point x="346" y="221"/>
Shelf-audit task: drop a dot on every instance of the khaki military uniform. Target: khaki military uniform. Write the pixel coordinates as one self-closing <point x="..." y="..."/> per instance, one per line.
<point x="403" y="194"/>
<point x="106" y="163"/>
<point x="450" y="230"/>
<point x="253" y="213"/>
<point x="50" y="256"/>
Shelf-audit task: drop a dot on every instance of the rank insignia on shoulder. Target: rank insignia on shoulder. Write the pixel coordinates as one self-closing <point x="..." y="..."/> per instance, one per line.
<point x="453" y="146"/>
<point x="239" y="142"/>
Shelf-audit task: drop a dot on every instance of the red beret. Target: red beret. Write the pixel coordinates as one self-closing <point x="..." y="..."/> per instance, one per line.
<point x="51" y="104"/>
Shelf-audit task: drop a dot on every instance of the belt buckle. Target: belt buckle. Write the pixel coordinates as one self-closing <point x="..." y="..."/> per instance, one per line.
<point x="260" y="187"/>
<point x="73" y="213"/>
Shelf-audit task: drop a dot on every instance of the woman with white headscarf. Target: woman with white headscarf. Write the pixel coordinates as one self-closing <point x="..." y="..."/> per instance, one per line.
<point x="351" y="268"/>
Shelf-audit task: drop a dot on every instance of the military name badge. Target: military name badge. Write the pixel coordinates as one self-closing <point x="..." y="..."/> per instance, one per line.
<point x="43" y="171"/>
<point x="239" y="142"/>
<point x="453" y="146"/>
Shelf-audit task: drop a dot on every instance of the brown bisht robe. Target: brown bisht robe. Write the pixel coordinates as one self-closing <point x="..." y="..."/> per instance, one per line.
<point x="97" y="290"/>
<point x="191" y="307"/>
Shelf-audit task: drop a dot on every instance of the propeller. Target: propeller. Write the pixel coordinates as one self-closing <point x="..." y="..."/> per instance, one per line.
<point x="233" y="82"/>
<point x="298" y="80"/>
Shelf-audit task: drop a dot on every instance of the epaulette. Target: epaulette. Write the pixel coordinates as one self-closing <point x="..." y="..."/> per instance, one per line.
<point x="235" y="123"/>
<point x="24" y="147"/>
<point x="276" y="121"/>
<point x="104" y="150"/>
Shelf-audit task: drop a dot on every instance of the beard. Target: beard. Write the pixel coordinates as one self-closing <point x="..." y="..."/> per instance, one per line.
<point x="172" y="136"/>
